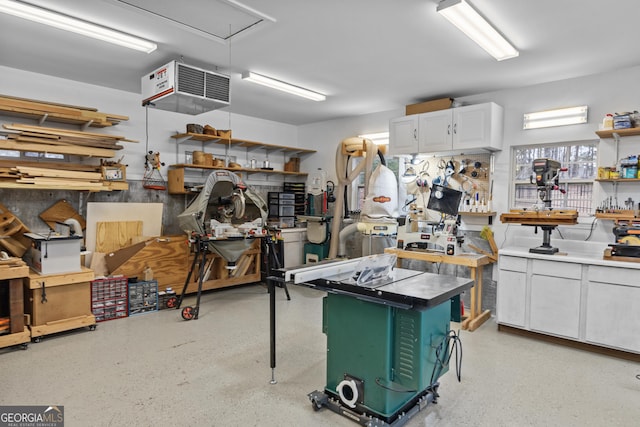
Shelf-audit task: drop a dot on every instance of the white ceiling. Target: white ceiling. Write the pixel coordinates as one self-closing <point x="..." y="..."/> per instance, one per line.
<point x="365" y="55"/>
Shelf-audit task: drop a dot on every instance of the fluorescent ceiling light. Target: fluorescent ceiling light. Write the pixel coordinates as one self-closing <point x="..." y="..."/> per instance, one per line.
<point x="380" y="138"/>
<point x="469" y="21"/>
<point x="75" y="25"/>
<point x="285" y="87"/>
<point x="558" y="117"/>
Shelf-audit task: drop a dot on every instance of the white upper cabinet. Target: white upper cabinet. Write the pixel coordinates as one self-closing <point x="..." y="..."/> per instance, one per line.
<point x="436" y="131"/>
<point x="473" y="127"/>
<point x="403" y="135"/>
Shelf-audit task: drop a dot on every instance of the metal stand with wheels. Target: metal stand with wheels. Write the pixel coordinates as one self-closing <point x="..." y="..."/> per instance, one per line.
<point x="201" y="244"/>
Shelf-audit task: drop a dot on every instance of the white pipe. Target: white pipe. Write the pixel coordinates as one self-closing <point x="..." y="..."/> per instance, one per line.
<point x="370" y="150"/>
<point x="344" y="233"/>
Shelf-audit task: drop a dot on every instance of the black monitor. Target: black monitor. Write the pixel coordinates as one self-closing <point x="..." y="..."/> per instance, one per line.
<point x="444" y="199"/>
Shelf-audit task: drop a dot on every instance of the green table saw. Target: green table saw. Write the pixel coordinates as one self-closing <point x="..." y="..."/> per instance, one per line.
<point x="388" y="336"/>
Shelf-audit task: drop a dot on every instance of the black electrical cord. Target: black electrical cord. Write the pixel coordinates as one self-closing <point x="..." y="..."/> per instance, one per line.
<point x="593" y="226"/>
<point x="450" y="343"/>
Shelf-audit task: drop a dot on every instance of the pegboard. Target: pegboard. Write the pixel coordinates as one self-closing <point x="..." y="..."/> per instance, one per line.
<point x="469" y="173"/>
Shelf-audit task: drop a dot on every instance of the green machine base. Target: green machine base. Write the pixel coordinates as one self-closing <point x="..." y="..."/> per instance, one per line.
<point x="382" y="361"/>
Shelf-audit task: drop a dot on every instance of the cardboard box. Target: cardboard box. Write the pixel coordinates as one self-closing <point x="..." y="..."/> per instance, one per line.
<point x="428" y="106"/>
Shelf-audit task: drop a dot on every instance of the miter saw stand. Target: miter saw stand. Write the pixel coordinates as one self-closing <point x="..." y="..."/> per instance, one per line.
<point x="201" y="244"/>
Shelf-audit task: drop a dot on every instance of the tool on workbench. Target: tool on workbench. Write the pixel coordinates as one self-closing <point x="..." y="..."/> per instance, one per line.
<point x="546" y="179"/>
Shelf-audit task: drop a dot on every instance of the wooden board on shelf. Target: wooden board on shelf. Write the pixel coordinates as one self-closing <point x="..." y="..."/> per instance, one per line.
<point x="57" y="112"/>
<point x="620" y="215"/>
<point x="609" y="133"/>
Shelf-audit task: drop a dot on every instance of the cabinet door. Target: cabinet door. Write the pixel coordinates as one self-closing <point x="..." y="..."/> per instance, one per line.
<point x="435" y="131"/>
<point x="613" y="316"/>
<point x="555" y="305"/>
<point x="478" y="126"/>
<point x="403" y="135"/>
<point x="511" y="297"/>
<point x="294" y="241"/>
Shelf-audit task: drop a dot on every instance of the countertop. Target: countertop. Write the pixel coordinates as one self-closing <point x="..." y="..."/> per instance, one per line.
<point x="584" y="255"/>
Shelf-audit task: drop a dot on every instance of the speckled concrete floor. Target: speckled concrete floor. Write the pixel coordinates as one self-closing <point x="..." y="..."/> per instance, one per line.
<point x="158" y="370"/>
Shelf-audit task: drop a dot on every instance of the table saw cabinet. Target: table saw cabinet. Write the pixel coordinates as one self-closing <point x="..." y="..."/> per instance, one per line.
<point x="374" y="350"/>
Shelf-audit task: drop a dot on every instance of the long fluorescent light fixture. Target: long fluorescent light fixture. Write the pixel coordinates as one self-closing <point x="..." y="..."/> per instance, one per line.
<point x="280" y="85"/>
<point x="558" y="117"/>
<point x="469" y="21"/>
<point x="379" y="138"/>
<point x="75" y="25"/>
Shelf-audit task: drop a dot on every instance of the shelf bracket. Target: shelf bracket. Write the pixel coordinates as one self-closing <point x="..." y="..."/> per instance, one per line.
<point x="86" y="125"/>
<point x="616" y="137"/>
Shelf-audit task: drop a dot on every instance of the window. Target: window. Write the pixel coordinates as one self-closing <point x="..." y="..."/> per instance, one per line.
<point x="30" y="155"/>
<point x="581" y="161"/>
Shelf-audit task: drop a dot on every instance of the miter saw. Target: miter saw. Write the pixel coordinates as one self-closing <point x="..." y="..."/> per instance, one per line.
<point x="225" y="219"/>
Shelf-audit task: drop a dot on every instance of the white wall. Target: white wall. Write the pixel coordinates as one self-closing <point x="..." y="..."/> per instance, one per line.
<point x="604" y="93"/>
<point x="161" y="124"/>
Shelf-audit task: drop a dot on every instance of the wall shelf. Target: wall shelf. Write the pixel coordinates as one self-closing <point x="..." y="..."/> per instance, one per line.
<point x="240" y="143"/>
<point x="611" y="133"/>
<point x="176" y="179"/>
<point x="488" y="215"/>
<point x="616" y="180"/>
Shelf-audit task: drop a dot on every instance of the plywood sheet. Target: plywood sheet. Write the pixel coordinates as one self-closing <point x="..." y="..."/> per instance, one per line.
<point x="149" y="213"/>
<point x="114" y="235"/>
<point x="168" y="258"/>
<point x="59" y="212"/>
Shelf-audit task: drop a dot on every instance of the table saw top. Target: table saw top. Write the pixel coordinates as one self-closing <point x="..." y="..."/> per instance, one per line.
<point x="409" y="289"/>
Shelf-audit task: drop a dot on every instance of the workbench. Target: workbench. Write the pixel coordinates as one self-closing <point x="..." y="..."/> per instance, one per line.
<point x="58" y="302"/>
<point x="475" y="262"/>
<point x="12" y="276"/>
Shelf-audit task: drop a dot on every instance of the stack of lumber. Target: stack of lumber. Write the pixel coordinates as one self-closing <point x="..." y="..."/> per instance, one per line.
<point x="51" y="175"/>
<point x="55" y="177"/>
<point x="61" y="113"/>
<point x="60" y="141"/>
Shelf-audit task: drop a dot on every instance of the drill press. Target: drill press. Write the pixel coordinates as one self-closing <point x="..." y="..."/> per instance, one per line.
<point x="546" y="179"/>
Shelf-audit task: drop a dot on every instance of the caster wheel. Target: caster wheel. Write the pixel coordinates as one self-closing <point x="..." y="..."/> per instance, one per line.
<point x="24" y="346"/>
<point x="172" y="302"/>
<point x="188" y="313"/>
<point x="37" y="339"/>
<point x="316" y="405"/>
<point x="93" y="327"/>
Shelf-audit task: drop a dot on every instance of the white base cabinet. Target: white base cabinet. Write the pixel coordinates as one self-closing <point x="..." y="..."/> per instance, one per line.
<point x="583" y="299"/>
<point x="294" y="240"/>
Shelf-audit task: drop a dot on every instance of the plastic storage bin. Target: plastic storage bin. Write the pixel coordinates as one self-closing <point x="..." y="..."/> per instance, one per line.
<point x="109" y="298"/>
<point x="143" y="297"/>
